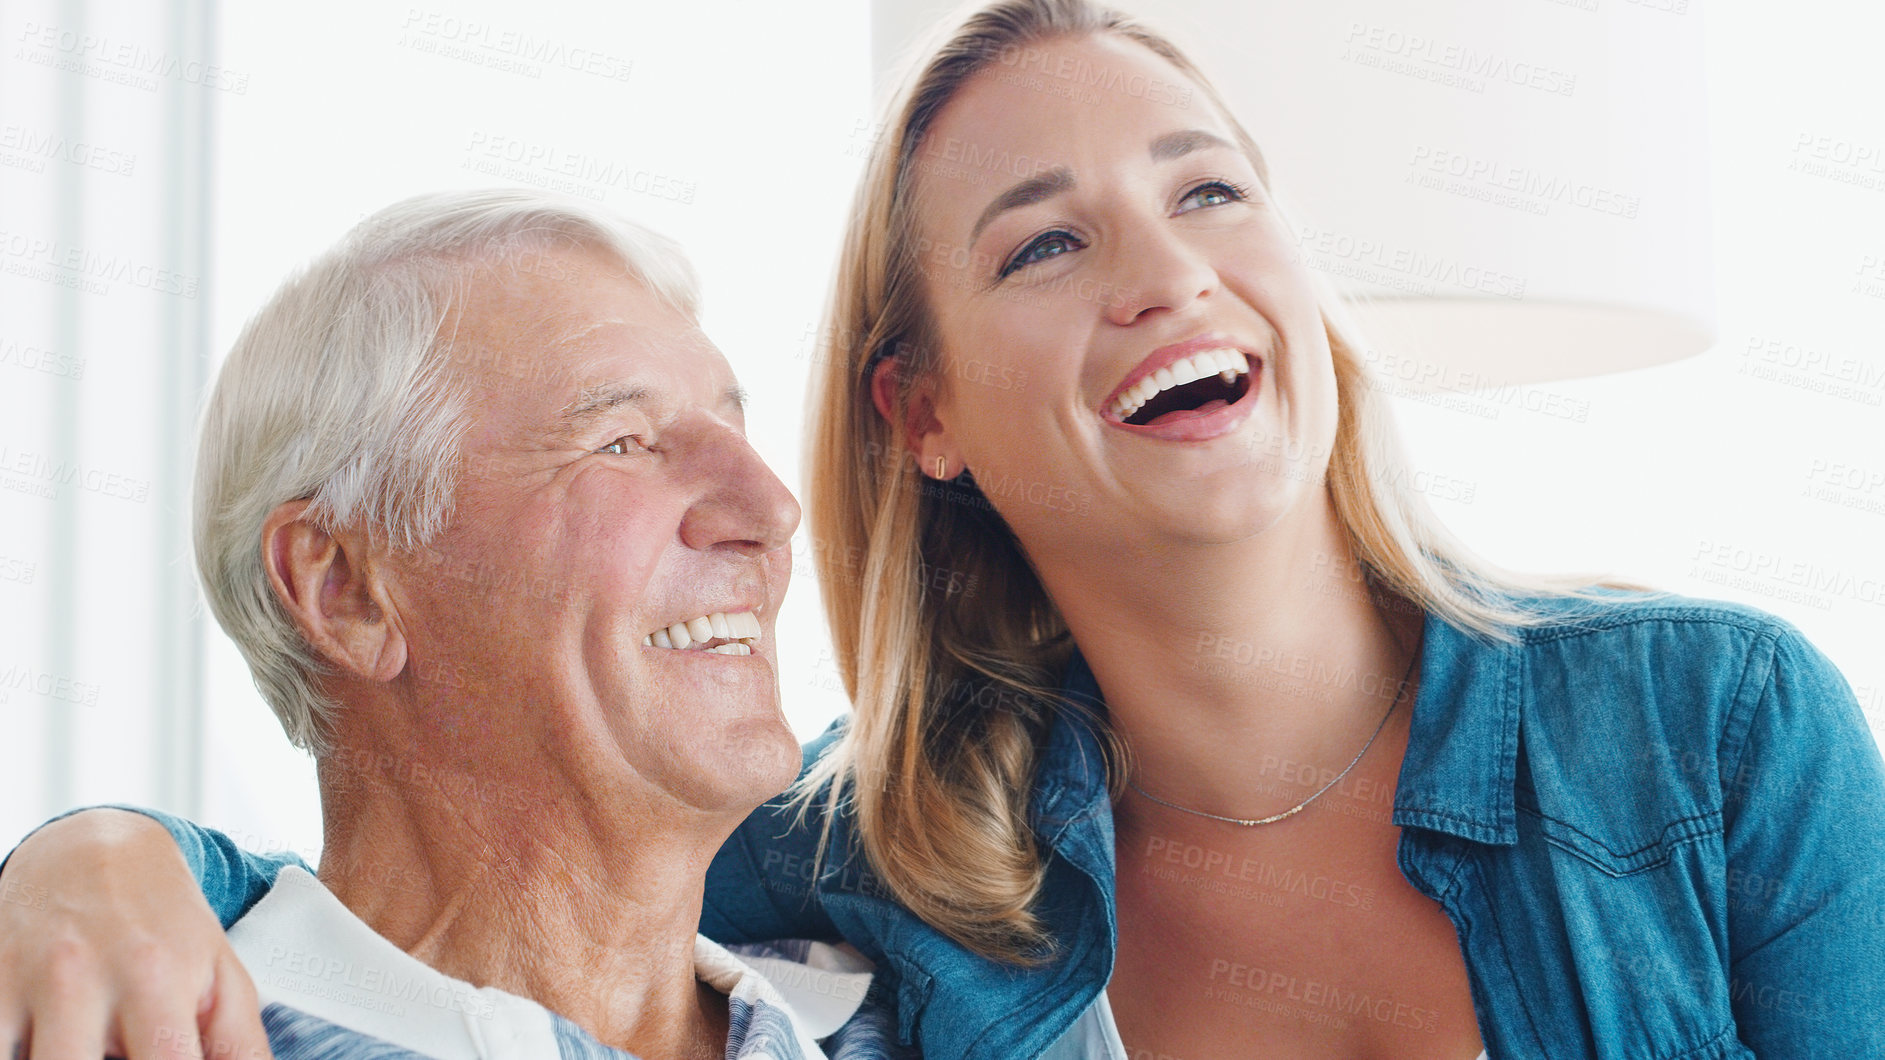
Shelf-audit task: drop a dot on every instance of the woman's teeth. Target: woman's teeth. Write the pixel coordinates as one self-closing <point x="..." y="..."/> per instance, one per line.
<point x="738" y="630"/>
<point x="1226" y="364"/>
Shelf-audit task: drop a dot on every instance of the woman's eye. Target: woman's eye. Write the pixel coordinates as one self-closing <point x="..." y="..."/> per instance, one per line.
<point x="1040" y="248"/>
<point x="623" y="445"/>
<point x="1214" y="193"/>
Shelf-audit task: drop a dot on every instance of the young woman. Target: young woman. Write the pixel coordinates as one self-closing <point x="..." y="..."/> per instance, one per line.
<point x="1181" y="728"/>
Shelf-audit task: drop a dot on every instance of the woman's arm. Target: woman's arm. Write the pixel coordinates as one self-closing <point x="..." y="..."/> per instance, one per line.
<point x="1804" y="812"/>
<point x="107" y="947"/>
<point x="111" y="931"/>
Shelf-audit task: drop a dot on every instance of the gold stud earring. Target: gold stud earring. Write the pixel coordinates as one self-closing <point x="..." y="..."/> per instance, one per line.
<point x="941" y="468"/>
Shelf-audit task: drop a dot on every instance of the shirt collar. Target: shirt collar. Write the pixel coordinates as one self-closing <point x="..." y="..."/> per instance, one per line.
<point x="1461" y="766"/>
<point x="307" y="950"/>
<point x="1071" y="776"/>
<point x="822" y="986"/>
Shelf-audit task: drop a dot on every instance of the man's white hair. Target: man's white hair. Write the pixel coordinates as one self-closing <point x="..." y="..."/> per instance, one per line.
<point x="339" y="392"/>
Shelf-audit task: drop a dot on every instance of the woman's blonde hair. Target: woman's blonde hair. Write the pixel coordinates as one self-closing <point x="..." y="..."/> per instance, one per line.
<point x="949" y="645"/>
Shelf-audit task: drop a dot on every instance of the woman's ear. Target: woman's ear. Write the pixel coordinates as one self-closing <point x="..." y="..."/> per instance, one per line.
<point x="330" y="582"/>
<point x="920" y="421"/>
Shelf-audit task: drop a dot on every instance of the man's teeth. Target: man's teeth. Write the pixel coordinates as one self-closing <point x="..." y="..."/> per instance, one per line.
<point x="740" y="629"/>
<point x="1226" y="364"/>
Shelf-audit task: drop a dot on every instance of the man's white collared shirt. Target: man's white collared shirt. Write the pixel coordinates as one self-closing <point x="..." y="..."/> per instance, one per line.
<point x="332" y="987"/>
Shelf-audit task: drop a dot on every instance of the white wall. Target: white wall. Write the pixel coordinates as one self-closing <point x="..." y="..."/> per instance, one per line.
<point x="103" y="313"/>
<point x="1755" y="472"/>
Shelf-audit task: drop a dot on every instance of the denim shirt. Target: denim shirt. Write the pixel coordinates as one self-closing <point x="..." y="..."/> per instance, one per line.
<point x="1658" y="825"/>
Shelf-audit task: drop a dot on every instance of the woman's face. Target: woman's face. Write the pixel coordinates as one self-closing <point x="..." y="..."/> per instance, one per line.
<point x="1092" y="239"/>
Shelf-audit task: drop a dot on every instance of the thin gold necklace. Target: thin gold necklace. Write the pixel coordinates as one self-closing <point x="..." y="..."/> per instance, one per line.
<point x="1298" y="808"/>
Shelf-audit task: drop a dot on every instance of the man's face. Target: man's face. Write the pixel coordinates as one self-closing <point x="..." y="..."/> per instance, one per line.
<point x="608" y="491"/>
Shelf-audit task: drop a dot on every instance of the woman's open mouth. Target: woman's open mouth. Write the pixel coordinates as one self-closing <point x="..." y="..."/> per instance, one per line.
<point x="1192" y="386"/>
<point x="1182" y="384"/>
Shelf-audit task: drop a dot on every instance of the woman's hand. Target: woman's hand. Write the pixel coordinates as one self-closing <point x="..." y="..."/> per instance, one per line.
<point x="107" y="948"/>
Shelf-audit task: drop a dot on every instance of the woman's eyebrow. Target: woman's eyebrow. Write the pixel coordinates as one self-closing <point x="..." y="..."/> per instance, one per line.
<point x="1183" y="142"/>
<point x="1060" y="179"/>
<point x="1028" y="192"/>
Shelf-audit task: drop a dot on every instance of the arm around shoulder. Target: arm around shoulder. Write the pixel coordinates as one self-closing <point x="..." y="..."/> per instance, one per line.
<point x="107" y="948"/>
<point x="232" y="879"/>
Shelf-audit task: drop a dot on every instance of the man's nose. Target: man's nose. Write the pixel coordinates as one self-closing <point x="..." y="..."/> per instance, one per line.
<point x="743" y="505"/>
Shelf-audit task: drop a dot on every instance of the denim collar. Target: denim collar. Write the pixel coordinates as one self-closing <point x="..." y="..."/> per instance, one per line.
<point x="1461" y="768"/>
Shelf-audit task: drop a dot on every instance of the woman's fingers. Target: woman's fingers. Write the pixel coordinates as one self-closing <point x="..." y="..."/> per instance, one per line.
<point x="71" y="1018"/>
<point x="157" y="1024"/>
<point x="12" y="1011"/>
<point x="160" y="1014"/>
<point x="67" y="1024"/>
<point x="62" y="995"/>
<point x="116" y="952"/>
<point x="12" y="1022"/>
<point x="232" y="1024"/>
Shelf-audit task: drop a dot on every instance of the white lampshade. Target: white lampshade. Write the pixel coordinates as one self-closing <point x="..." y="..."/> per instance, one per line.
<point x="1515" y="189"/>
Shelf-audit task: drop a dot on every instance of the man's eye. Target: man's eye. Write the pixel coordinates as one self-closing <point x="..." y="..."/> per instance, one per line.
<point x="1044" y="246"/>
<point x="624" y="445"/>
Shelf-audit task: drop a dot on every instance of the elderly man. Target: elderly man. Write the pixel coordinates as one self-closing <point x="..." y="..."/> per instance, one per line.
<point x="476" y="503"/>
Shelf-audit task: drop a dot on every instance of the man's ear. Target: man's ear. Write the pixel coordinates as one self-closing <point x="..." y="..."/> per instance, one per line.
<point x="331" y="584"/>
<point x="920" y="423"/>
